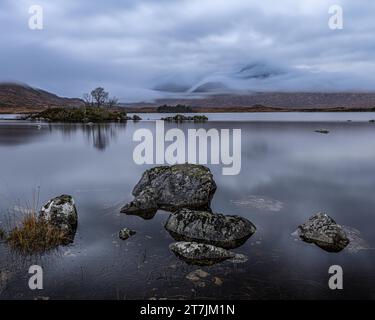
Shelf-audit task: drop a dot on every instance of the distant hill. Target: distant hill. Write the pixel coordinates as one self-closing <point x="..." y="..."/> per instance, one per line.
<point x="16" y="97"/>
<point x="268" y="101"/>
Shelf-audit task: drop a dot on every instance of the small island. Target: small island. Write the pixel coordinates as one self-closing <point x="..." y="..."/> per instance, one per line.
<point x="79" y="115"/>
<point x="182" y="118"/>
<point x="179" y="108"/>
<point x="98" y="107"/>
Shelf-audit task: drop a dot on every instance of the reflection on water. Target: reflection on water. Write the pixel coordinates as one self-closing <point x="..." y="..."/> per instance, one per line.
<point x="289" y="172"/>
<point x="99" y="135"/>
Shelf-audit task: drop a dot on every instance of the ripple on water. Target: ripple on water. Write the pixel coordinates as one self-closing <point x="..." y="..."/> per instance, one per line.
<point x="259" y="202"/>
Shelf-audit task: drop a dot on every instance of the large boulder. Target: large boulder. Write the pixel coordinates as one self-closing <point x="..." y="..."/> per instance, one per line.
<point x="171" y="188"/>
<point x="216" y="229"/>
<point x="204" y="254"/>
<point x="61" y="213"/>
<point x="323" y="231"/>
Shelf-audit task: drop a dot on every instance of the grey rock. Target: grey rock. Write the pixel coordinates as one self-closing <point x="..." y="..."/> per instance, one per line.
<point x="126" y="233"/>
<point x="216" y="229"/>
<point x="203" y="254"/>
<point x="61" y="212"/>
<point x="323" y="231"/>
<point x="171" y="188"/>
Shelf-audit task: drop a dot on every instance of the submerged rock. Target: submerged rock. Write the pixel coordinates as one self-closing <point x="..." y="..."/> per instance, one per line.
<point x="197" y="275"/>
<point x="323" y="231"/>
<point x="201" y="226"/>
<point x="203" y="254"/>
<point x="126" y="233"/>
<point x="61" y="213"/>
<point x="171" y="188"/>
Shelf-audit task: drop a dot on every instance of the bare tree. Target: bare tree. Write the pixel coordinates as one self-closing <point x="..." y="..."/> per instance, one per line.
<point x="99" y="96"/>
<point x="87" y="98"/>
<point x="112" y="102"/>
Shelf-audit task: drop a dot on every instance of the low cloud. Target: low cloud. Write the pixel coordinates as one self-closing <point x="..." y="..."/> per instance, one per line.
<point x="146" y="49"/>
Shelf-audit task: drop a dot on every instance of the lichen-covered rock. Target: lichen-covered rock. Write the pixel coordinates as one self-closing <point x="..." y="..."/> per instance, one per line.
<point x="203" y="254"/>
<point x="171" y="188"/>
<point x="61" y="212"/>
<point x="126" y="233"/>
<point x="201" y="226"/>
<point x="323" y="231"/>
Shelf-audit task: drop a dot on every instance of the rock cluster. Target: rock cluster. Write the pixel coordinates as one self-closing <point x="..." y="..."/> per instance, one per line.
<point x="186" y="191"/>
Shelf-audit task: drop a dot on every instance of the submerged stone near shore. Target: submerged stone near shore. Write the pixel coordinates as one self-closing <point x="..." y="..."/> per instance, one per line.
<point x="204" y="254"/>
<point x="216" y="229"/>
<point x="171" y="188"/>
<point x="323" y="231"/>
<point x="61" y="213"/>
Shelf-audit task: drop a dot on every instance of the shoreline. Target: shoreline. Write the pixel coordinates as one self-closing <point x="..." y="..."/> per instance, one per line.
<point x="218" y="110"/>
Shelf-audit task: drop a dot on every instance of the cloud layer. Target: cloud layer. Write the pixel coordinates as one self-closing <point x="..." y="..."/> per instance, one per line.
<point x="139" y="49"/>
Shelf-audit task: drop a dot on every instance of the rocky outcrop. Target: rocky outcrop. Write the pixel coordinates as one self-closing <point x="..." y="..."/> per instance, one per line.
<point x="61" y="213"/>
<point x="171" y="188"/>
<point x="204" y="254"/>
<point x="205" y="227"/>
<point x="323" y="231"/>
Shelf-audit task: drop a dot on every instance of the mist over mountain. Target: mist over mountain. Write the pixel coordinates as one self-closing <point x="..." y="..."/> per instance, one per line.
<point x="142" y="50"/>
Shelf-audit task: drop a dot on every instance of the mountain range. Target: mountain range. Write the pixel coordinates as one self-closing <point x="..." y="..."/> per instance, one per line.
<point x="15" y="97"/>
<point x="21" y="98"/>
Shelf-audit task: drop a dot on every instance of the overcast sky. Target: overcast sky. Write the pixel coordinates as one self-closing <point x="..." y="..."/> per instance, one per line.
<point x="132" y="47"/>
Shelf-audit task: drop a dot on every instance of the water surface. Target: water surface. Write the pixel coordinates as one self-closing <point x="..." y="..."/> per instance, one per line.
<point x="289" y="172"/>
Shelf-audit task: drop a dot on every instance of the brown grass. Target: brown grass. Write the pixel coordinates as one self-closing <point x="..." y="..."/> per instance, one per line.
<point x="34" y="235"/>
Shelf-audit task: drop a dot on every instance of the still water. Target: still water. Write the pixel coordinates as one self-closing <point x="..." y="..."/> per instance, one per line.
<point x="289" y="172"/>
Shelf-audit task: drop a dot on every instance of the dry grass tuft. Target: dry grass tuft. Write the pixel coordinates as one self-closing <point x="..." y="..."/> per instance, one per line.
<point x="34" y="235"/>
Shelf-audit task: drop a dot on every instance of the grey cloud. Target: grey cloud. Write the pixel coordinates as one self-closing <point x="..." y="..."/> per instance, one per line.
<point x="133" y="47"/>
